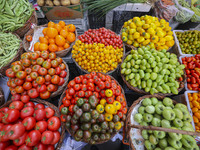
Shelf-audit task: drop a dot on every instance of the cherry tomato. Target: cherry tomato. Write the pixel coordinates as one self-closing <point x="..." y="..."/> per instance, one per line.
<point x="63" y="74"/>
<point x="53" y="123"/>
<point x="49" y="112"/>
<point x="33" y="93"/>
<point x="16" y="105"/>
<point x="10" y="73"/>
<point x="34" y="75"/>
<point x="46" y="64"/>
<point x="27" y="112"/>
<point x="25" y="98"/>
<point x="58" y="70"/>
<point x="29" y="38"/>
<point x="77" y="80"/>
<point x="27" y="86"/>
<point x="28" y="78"/>
<point x="3" y="145"/>
<point x="90" y="86"/>
<point x="55" y="79"/>
<point x="50" y="147"/>
<point x="34" y="55"/>
<point x="45" y="95"/>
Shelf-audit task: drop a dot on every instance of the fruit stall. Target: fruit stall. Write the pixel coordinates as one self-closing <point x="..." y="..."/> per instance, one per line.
<point x="99" y="75"/>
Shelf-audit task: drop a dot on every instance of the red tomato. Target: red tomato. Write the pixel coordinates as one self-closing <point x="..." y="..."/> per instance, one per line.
<point x="107" y="84"/>
<point x="27" y="86"/>
<point x="28" y="70"/>
<point x="88" y="94"/>
<point x="53" y="123"/>
<point x="34" y="75"/>
<point x="45" y="95"/>
<point x="4" y="133"/>
<point x="81" y="94"/>
<point x="120" y="99"/>
<point x="24" y="147"/>
<point x="49" y="112"/>
<point x="1" y="124"/>
<point x="56" y="137"/>
<point x="33" y="93"/>
<point x="26" y="62"/>
<point x="83" y="88"/>
<point x="16" y="68"/>
<point x="41" y="126"/>
<point x="16" y="105"/>
<point x="29" y="104"/>
<point x="34" y="55"/>
<point x="19" y="81"/>
<point x="39" y="114"/>
<point x="21" y="140"/>
<point x="62" y="66"/>
<point x="40" y="80"/>
<point x="71" y="83"/>
<point x="27" y="112"/>
<point x="46" y="64"/>
<point x="51" y="71"/>
<point x="55" y="79"/>
<point x="90" y="86"/>
<point x="58" y="70"/>
<point x="33" y="138"/>
<point x="96" y="94"/>
<point x="62" y="81"/>
<point x="3" y="145"/>
<point x="88" y="76"/>
<point x="35" y="68"/>
<point x="34" y="84"/>
<point x="50" y="147"/>
<point x="16" y="131"/>
<point x="52" y="55"/>
<point x="63" y="74"/>
<point x="77" y="80"/>
<point x="41" y="88"/>
<point x="11" y="115"/>
<point x="28" y="78"/>
<point x="71" y="91"/>
<point x="11" y="147"/>
<point x="40" y="146"/>
<point x="10" y="73"/>
<point x="29" y="123"/>
<point x="42" y="71"/>
<point x="47" y="137"/>
<point x="97" y="89"/>
<point x="39" y="106"/>
<point x="47" y="77"/>
<point x="40" y="61"/>
<point x="13" y="84"/>
<point x="66" y="103"/>
<point x="51" y="87"/>
<point x="19" y="89"/>
<point x="45" y="54"/>
<point x="110" y="100"/>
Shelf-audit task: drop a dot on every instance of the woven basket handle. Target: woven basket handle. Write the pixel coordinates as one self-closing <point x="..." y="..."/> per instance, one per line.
<point x="164" y="129"/>
<point x="124" y="139"/>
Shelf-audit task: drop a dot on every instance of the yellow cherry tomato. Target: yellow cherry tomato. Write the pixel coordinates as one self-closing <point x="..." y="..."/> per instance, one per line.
<point x="117" y="105"/>
<point x="103" y="102"/>
<point x="118" y="125"/>
<point x="108" y="117"/>
<point x="100" y="108"/>
<point x="110" y="108"/>
<point x="109" y="93"/>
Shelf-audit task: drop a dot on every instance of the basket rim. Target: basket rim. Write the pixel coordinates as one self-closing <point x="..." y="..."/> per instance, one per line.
<point x="63" y="95"/>
<point x="141" y="91"/>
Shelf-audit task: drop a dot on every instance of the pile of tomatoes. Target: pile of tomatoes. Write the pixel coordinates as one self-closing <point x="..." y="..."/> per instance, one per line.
<point x="37" y="74"/>
<point x="192" y="69"/>
<point x="28" y="126"/>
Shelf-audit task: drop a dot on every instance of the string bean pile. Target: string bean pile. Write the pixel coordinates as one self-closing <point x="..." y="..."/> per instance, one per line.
<point x="9" y="45"/>
<point x="14" y="14"/>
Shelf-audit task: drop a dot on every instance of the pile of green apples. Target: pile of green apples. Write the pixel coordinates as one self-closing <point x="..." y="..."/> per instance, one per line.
<point x="167" y="115"/>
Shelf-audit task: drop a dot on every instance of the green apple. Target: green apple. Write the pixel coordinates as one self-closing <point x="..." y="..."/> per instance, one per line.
<point x="167" y="101"/>
<point x="154" y="101"/>
<point x="155" y="122"/>
<point x="188" y="128"/>
<point x="195" y="147"/>
<point x="186" y="123"/>
<point x="159" y="102"/>
<point x="159" y="108"/>
<point x="145" y="134"/>
<point x="188" y="141"/>
<point x="187" y="118"/>
<point x="182" y="106"/>
<point x="178" y="122"/>
<point x="153" y="139"/>
<point x="174" y="143"/>
<point x="172" y="106"/>
<point x="159" y="134"/>
<point x="150" y="109"/>
<point x="146" y="102"/>
<point x="150" y="131"/>
<point x="157" y="148"/>
<point x="141" y="110"/>
<point x="163" y="143"/>
<point x="144" y="123"/>
<point x="149" y="145"/>
<point x="157" y="116"/>
<point x="175" y="136"/>
<point x="178" y="113"/>
<point x="165" y="124"/>
<point x="169" y="148"/>
<point x="148" y="117"/>
<point x="138" y="117"/>
<point x="168" y="114"/>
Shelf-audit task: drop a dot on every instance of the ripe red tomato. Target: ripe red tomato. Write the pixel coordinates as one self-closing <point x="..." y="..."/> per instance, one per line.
<point x="29" y="104"/>
<point x="63" y="74"/>
<point x="40" y="80"/>
<point x="49" y="112"/>
<point x="39" y="114"/>
<point x="39" y="61"/>
<point x="28" y="78"/>
<point x="41" y="88"/>
<point x="47" y="77"/>
<point x="19" y="89"/>
<point x="28" y="70"/>
<point x="71" y="91"/>
<point x="52" y="55"/>
<point x="4" y="133"/>
<point x="62" y="66"/>
<point x="16" y="105"/>
<point x="39" y="106"/>
<point x="25" y="98"/>
<point x="13" y="84"/>
<point x="40" y="146"/>
<point x="53" y="123"/>
<point x="50" y="147"/>
<point x="10" y="73"/>
<point x="34" y="75"/>
<point x="11" y="115"/>
<point x="27" y="86"/>
<point x="81" y="93"/>
<point x="54" y="63"/>
<point x="41" y="126"/>
<point x="66" y="103"/>
<point x="29" y="123"/>
<point x="11" y="147"/>
<point x="34" y="55"/>
<point x="71" y="84"/>
<point x="42" y="71"/>
<point x="33" y="138"/>
<point x="46" y="64"/>
<point x="27" y="112"/>
<point x="55" y="79"/>
<point x="51" y="87"/>
<point x="3" y="145"/>
<point x="21" y="140"/>
<point x="59" y="60"/>
<point x="16" y="131"/>
<point x="33" y="62"/>
<point x="47" y="137"/>
<point x="110" y="100"/>
<point x="16" y="68"/>
<point x="16" y="97"/>
<point x="62" y="81"/>
<point x="58" y="70"/>
<point x="24" y="147"/>
<point x="51" y="71"/>
<point x="34" y="84"/>
<point x="33" y="93"/>
<point x="26" y="62"/>
<point x="90" y="86"/>
<point x="56" y="137"/>
<point x="45" y="95"/>
<point x="18" y="81"/>
<point x="45" y="54"/>
<point x="35" y="68"/>
<point x="77" y="80"/>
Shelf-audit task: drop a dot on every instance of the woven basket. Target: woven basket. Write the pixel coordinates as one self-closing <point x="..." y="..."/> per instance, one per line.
<point x="2" y="99"/>
<point x="27" y="26"/>
<point x="62" y="53"/>
<point x="69" y="131"/>
<point x="15" y="58"/>
<point x="141" y="91"/>
<point x="39" y="101"/>
<point x="109" y="72"/>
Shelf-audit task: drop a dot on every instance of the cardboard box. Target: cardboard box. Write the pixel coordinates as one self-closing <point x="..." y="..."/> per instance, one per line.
<point x="63" y="12"/>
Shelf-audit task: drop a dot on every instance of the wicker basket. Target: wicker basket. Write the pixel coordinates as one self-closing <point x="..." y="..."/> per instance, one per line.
<point x="141" y="91"/>
<point x="36" y="100"/>
<point x="129" y="125"/>
<point x="27" y="26"/>
<point x="15" y="58"/>
<point x="69" y="131"/>
<point x="2" y="99"/>
<point x="109" y="72"/>
<point x="62" y="53"/>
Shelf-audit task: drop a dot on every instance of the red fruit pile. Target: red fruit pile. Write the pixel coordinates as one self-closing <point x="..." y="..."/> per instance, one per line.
<point x="28" y="126"/>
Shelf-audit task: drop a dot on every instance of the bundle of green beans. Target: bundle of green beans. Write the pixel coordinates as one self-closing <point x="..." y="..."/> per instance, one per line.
<point x="14" y="14"/>
<point x="9" y="45"/>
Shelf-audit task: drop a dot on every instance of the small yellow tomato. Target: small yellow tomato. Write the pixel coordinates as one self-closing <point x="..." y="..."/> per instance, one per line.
<point x="109" y="108"/>
<point x="108" y="117"/>
<point x="117" y="105"/>
<point x="100" y="108"/>
<point x="109" y="93"/>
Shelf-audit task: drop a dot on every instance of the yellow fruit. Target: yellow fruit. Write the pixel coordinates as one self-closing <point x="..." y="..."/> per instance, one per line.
<point x="136" y="35"/>
<point x="168" y="37"/>
<point x="162" y="26"/>
<point x="153" y="25"/>
<point x="154" y="39"/>
<point x="146" y="35"/>
<point x="160" y="33"/>
<point x="141" y="31"/>
<point x="124" y="39"/>
<point x="151" y="31"/>
<point x="162" y="40"/>
<point x="167" y="28"/>
<point x="125" y="24"/>
<point x="130" y="37"/>
<point x="131" y="31"/>
<point x="145" y="26"/>
<point x="165" y="47"/>
<point x="136" y="19"/>
<point x="170" y="33"/>
<point x="129" y="42"/>
<point x="148" y="21"/>
<point x="162" y="21"/>
<point x="152" y="45"/>
<point x="140" y="39"/>
<point x="132" y="25"/>
<point x="124" y="34"/>
<point x="146" y="42"/>
<point x="136" y="44"/>
<point x="170" y="43"/>
<point x="138" y="23"/>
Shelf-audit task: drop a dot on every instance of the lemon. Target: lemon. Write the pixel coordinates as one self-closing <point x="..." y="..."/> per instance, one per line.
<point x="136" y="35"/>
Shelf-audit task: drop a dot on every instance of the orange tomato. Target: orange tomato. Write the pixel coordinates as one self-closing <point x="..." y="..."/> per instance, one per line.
<point x="43" y="47"/>
<point x="191" y="105"/>
<point x="51" y="24"/>
<point x="66" y="45"/>
<point x="43" y="40"/>
<point x="60" y="40"/>
<point x="64" y="33"/>
<point x="62" y="23"/>
<point x="53" y="47"/>
<point x="52" y="41"/>
<point x="58" y="27"/>
<point x="194" y="109"/>
<point x="36" y="46"/>
<point x="65" y="28"/>
<point x="197" y="114"/>
<point x="44" y="31"/>
<point x="52" y="32"/>
<point x="196" y="120"/>
<point x="197" y="128"/>
<point x="195" y="103"/>
<point x="71" y="37"/>
<point x="60" y="48"/>
<point x="71" y="28"/>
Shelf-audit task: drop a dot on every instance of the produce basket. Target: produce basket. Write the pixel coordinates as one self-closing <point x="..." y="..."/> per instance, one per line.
<point x="62" y="129"/>
<point x="27" y="26"/>
<point x="133" y="130"/>
<point x="147" y="93"/>
<point x="26" y="44"/>
<point x="15" y="58"/>
<point x="2" y="99"/>
<point x="70" y="131"/>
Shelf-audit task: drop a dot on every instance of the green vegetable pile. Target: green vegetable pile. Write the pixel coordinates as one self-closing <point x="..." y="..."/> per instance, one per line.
<point x="9" y="45"/>
<point x="14" y="14"/>
<point x="152" y="70"/>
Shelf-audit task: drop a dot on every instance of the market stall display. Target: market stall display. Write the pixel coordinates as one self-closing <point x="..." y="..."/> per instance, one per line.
<point x="10" y="50"/>
<point x="148" y="71"/>
<point x="99" y="50"/>
<point x="30" y="125"/>
<point x="17" y="16"/>
<point x="160" y="112"/>
<point x="37" y="74"/>
<point x="57" y="2"/>
<point x="147" y="30"/>
<point x="93" y="108"/>
<point x="58" y="38"/>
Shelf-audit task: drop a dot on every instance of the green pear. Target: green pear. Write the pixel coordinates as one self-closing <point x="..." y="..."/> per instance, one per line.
<point x="150" y="109"/>
<point x="167" y="107"/>
<point x="188" y="141"/>
<point x="167" y="101"/>
<point x="155" y="122"/>
<point x="149" y="145"/>
<point x="138" y="117"/>
<point x="163" y="143"/>
<point x="159" y="108"/>
<point x="141" y="110"/>
<point x="147" y="117"/>
<point x="165" y="124"/>
<point x="154" y="101"/>
<point x="169" y="148"/>
<point x="174" y="143"/>
<point x="145" y="134"/>
<point x="146" y="102"/>
<point x="175" y="136"/>
<point x="178" y="113"/>
<point x="168" y="114"/>
<point x="178" y="122"/>
<point x="159" y="134"/>
<point x="153" y="139"/>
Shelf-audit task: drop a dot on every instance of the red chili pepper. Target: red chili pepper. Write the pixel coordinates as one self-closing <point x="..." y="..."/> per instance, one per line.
<point x="193" y="80"/>
<point x="195" y="75"/>
<point x="198" y="81"/>
<point x="195" y="85"/>
<point x="189" y="86"/>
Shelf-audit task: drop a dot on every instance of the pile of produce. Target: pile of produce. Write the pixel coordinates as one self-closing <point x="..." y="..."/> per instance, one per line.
<point x="192" y="69"/>
<point x="57" y="37"/>
<point x="57" y="2"/>
<point x="152" y="70"/>
<point x="167" y="115"/>
<point x="37" y="74"/>
<point x="14" y="14"/>
<point x="195" y="105"/>
<point x="28" y="126"/>
<point x="189" y="41"/>
<point x="9" y="45"/>
<point x="148" y="30"/>
<point x="94" y="108"/>
<point x="98" y="50"/>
